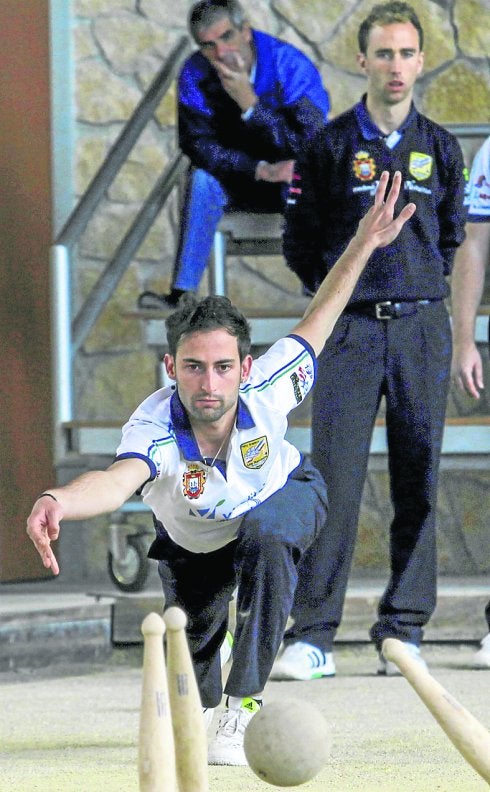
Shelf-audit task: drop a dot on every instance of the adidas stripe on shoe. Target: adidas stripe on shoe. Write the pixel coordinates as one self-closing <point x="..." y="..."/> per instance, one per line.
<point x="303" y="661"/>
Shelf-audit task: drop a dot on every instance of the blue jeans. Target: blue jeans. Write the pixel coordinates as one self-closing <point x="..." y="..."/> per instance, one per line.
<point x="205" y="202"/>
<point x="261" y="564"/>
<point x="204" y="205"/>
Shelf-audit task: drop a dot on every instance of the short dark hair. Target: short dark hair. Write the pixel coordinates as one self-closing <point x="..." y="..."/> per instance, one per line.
<point x="203" y="14"/>
<point x="387" y="14"/>
<point x="210" y="313"/>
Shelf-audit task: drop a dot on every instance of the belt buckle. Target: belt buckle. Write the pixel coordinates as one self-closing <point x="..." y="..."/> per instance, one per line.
<point x="378" y="308"/>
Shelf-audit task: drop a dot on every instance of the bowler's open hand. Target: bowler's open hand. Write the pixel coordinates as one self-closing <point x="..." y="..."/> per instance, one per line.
<point x="43" y="527"/>
<point x="378" y="228"/>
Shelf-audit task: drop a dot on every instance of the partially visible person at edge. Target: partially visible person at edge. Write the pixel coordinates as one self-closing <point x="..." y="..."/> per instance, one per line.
<point x="467" y="285"/>
<point x="247" y="104"/>
<point x="235" y="505"/>
<point x="393" y="340"/>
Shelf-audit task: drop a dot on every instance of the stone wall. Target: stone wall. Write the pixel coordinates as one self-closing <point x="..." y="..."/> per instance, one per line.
<point x="119" y="47"/>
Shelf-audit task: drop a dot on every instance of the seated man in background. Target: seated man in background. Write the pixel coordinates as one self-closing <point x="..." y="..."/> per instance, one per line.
<point x="468" y="281"/>
<point x="247" y="103"/>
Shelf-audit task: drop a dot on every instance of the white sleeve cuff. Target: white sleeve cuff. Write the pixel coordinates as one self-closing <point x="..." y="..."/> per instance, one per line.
<point x="247" y="113"/>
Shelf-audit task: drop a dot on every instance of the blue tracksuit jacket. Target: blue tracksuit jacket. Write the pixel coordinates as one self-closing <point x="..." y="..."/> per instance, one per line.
<point x="292" y="106"/>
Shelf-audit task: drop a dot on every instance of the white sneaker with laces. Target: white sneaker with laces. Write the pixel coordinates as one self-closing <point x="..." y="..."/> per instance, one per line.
<point x="388" y="668"/>
<point x="481" y="659"/>
<point x="303" y="661"/>
<point x="227" y="746"/>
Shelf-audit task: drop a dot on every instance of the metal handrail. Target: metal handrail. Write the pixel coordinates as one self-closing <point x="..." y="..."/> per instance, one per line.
<point x="118" y="154"/>
<point x="106" y="284"/>
<point x="468" y="130"/>
<point x="68" y="334"/>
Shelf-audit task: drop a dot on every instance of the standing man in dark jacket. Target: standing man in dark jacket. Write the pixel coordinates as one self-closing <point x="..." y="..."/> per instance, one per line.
<point x="393" y="340"/>
<point x="247" y="104"/>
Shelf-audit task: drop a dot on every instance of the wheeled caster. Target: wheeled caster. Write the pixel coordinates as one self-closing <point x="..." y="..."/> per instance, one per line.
<point x="127" y="560"/>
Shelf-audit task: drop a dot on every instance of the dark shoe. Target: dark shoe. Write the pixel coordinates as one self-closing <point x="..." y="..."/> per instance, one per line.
<point x="157" y="302"/>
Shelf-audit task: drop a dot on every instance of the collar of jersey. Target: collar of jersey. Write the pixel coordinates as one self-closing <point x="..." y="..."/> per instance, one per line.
<point x="183" y="431"/>
<point x="369" y="129"/>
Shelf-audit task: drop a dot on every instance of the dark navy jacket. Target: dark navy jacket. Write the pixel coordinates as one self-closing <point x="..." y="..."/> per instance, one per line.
<point x="335" y="186"/>
<point x="292" y="106"/>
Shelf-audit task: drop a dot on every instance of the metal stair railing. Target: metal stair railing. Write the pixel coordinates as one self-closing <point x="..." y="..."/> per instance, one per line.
<point x="69" y="333"/>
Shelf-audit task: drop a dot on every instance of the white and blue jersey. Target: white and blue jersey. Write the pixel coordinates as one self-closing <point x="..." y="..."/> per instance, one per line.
<point x="201" y="506"/>
<point x="478" y="200"/>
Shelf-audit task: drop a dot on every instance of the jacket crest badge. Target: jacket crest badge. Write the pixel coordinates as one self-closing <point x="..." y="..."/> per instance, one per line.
<point x="193" y="482"/>
<point x="420" y="165"/>
<point x="364" y="166"/>
<point x="255" y="452"/>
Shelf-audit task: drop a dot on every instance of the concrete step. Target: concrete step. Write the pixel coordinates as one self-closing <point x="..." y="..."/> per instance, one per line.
<point x="467" y="425"/>
<point x="459" y="616"/>
<point x="266" y="326"/>
<point x="467" y="435"/>
<point x="39" y="630"/>
<point x="75" y="628"/>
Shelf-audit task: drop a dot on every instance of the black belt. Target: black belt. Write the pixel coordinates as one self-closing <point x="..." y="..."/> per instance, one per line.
<point x="388" y="309"/>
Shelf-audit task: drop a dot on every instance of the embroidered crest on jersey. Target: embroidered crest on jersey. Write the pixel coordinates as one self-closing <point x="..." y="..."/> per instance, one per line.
<point x="364" y="166"/>
<point x="193" y="482"/>
<point x="420" y="165"/>
<point x="255" y="452"/>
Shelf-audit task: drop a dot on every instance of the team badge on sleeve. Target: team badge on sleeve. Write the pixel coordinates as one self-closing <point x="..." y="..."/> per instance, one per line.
<point x="364" y="166"/>
<point x="255" y="452"/>
<point x="193" y="482"/>
<point x="297" y="390"/>
<point x="420" y="165"/>
<point x="302" y="380"/>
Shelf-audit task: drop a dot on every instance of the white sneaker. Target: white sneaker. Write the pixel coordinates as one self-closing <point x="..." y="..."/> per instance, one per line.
<point x="303" y="661"/>
<point x="482" y="658"/>
<point x="227" y="746"/>
<point x="388" y="668"/>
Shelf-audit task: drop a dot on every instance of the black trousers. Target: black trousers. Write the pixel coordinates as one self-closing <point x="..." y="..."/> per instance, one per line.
<point x="407" y="360"/>
<point x="262" y="565"/>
